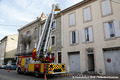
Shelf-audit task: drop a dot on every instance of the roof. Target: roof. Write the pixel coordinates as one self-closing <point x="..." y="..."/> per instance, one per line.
<point x="82" y="3"/>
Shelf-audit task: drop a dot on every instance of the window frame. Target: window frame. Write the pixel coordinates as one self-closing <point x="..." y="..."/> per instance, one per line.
<point x="69" y="19"/>
<point x="102" y="11"/>
<point x="84" y="14"/>
<point x="55" y="25"/>
<point x="87" y="42"/>
<point x="72" y="38"/>
<point x="111" y="38"/>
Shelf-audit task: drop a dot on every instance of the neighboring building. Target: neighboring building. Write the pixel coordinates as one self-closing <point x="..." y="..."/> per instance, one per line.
<point x="91" y="37"/>
<point x="8" y="48"/>
<point x="30" y="33"/>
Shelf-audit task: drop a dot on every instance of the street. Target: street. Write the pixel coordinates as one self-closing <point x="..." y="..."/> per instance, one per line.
<point x="12" y="75"/>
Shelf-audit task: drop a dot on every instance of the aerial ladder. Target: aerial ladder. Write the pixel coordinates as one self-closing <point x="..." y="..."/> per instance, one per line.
<point x="37" y="63"/>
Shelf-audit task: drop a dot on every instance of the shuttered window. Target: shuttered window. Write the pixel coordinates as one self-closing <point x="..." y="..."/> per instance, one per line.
<point x="106" y="7"/>
<point x="87" y="14"/>
<point x="74" y="38"/>
<point x="87" y="35"/>
<point x="72" y="19"/>
<point x="112" y="29"/>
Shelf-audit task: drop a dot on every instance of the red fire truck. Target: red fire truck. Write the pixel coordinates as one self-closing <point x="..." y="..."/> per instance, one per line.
<point x="40" y="62"/>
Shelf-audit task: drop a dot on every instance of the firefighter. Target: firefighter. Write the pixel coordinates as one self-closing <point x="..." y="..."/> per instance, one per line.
<point x="53" y="58"/>
<point x="48" y="58"/>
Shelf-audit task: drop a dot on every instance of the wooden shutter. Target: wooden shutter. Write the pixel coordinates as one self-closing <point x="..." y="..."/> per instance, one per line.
<point x="83" y="35"/>
<point x="90" y="34"/>
<point x="117" y="28"/>
<point x="77" y="36"/>
<point x="71" y="20"/>
<point x="108" y="7"/>
<point x="107" y="30"/>
<point x="85" y="14"/>
<point x="88" y="14"/>
<point x="103" y="3"/>
<point x="70" y="37"/>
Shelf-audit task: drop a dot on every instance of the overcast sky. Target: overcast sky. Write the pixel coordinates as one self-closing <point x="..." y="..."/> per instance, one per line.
<point x="17" y="13"/>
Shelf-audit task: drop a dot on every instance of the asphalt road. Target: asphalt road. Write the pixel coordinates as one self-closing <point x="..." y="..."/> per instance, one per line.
<point x="12" y="75"/>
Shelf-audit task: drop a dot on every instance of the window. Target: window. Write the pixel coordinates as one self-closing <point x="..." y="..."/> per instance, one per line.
<point x="53" y="25"/>
<point x="36" y="32"/>
<point x="28" y="33"/>
<point x="112" y="29"/>
<point x="53" y="40"/>
<point x="59" y="57"/>
<point x="87" y="14"/>
<point x="74" y="37"/>
<point x="87" y="34"/>
<point x="106" y="7"/>
<point x="72" y="19"/>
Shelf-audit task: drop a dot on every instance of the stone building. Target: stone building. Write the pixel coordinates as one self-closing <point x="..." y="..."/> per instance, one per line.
<point x="8" y="48"/>
<point x="30" y="33"/>
<point x="91" y="37"/>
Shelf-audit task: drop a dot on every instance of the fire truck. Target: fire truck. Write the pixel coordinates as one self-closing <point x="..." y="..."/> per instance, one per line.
<point x="40" y="62"/>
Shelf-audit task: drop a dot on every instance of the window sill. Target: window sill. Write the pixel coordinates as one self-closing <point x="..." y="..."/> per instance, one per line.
<point x="112" y="38"/>
<point x="87" y="21"/>
<point x="74" y="44"/>
<point x="107" y="15"/>
<point x="88" y="42"/>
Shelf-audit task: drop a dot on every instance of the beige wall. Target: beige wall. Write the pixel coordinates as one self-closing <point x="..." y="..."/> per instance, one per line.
<point x="98" y="35"/>
<point x="11" y="46"/>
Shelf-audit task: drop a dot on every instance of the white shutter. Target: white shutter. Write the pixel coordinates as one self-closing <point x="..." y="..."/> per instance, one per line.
<point x="108" y="7"/>
<point x="83" y="35"/>
<point x="77" y="36"/>
<point x="117" y="28"/>
<point x="103" y="3"/>
<point x="73" y="19"/>
<point x="85" y="14"/>
<point x="107" y="30"/>
<point x="90" y="34"/>
<point x="88" y="14"/>
<point x="70" y="37"/>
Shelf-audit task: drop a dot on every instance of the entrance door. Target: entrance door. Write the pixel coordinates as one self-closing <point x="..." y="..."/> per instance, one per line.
<point x="90" y="62"/>
<point x="75" y="62"/>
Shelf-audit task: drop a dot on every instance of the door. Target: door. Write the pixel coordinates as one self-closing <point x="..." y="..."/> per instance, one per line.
<point x="112" y="62"/>
<point x="90" y="62"/>
<point x="75" y="62"/>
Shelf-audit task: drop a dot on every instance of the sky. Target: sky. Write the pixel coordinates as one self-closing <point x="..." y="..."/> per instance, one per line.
<point x="14" y="14"/>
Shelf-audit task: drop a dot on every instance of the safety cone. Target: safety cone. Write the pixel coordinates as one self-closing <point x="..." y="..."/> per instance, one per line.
<point x="45" y="77"/>
<point x="9" y="70"/>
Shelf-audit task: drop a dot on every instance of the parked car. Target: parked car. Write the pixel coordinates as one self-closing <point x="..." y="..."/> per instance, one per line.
<point x="12" y="66"/>
<point x="2" y="66"/>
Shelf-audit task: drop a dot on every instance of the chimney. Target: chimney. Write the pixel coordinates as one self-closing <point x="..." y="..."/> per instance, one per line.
<point x="43" y="17"/>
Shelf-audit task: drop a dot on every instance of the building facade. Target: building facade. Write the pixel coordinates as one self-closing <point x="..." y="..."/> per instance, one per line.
<point x="91" y="37"/>
<point x="30" y="33"/>
<point x="8" y="48"/>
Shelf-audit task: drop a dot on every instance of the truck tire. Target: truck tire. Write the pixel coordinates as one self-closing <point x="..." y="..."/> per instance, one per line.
<point x="36" y="73"/>
<point x="19" y="71"/>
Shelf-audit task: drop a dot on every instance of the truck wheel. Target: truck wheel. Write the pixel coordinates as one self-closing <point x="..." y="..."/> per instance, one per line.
<point x="19" y="70"/>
